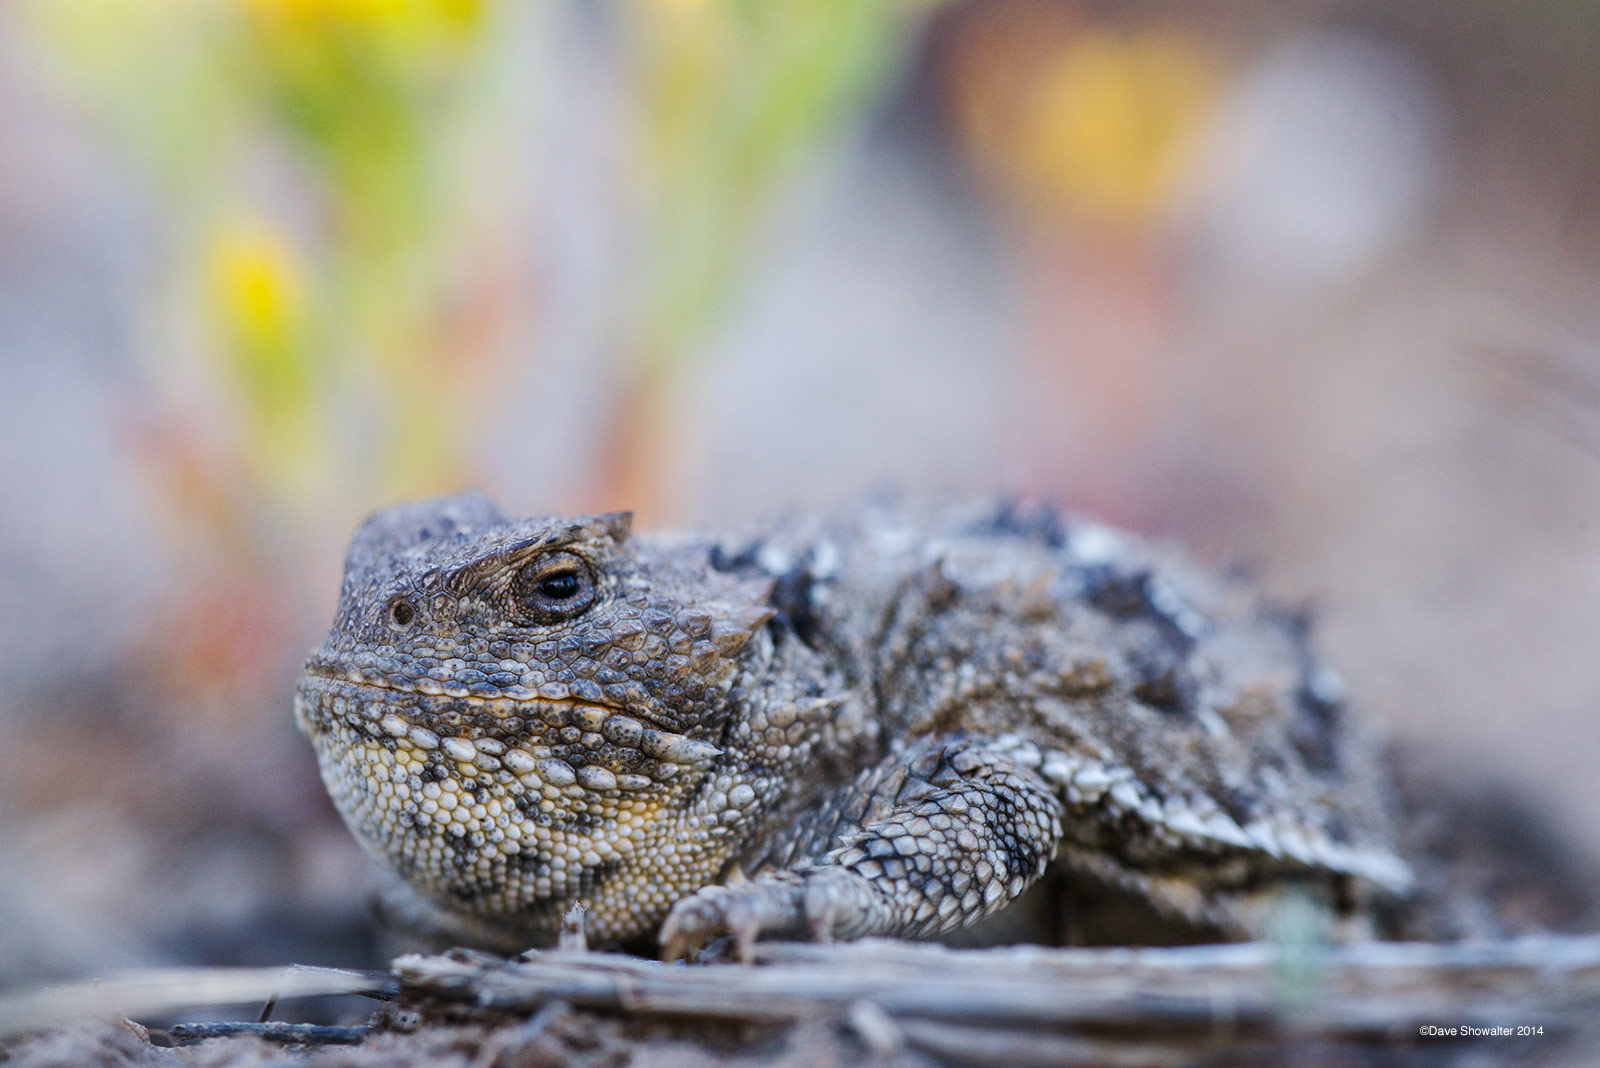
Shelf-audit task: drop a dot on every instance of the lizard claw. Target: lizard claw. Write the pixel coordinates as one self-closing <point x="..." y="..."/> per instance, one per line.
<point x="697" y="919"/>
<point x="821" y="908"/>
<point x="823" y="903"/>
<point x="770" y="904"/>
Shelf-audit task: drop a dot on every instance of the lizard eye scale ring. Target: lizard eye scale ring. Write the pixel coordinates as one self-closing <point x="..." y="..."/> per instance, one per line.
<point x="554" y="586"/>
<point x="401" y="613"/>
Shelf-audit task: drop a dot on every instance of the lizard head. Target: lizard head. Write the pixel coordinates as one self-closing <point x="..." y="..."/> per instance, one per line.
<point x="503" y="708"/>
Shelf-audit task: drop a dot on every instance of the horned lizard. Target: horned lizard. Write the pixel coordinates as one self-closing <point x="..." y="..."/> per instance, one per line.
<point x="885" y="724"/>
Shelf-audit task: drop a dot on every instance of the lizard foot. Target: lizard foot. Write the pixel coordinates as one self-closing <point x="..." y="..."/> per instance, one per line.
<point x="821" y="903"/>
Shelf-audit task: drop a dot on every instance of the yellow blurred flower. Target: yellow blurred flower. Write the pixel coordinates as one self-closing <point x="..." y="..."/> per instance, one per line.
<point x="463" y="14"/>
<point x="261" y="297"/>
<point x="421" y="24"/>
<point x="259" y="281"/>
<point x="1096" y="122"/>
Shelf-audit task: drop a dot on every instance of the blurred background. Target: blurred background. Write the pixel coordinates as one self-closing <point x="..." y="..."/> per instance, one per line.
<point x="1310" y="286"/>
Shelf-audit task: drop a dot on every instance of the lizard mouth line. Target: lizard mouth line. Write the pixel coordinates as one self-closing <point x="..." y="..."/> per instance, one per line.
<point x="590" y="722"/>
<point x="525" y="697"/>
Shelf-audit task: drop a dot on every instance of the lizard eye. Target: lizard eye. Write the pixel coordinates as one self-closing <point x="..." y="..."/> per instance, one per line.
<point x="401" y="613"/>
<point x="554" y="586"/>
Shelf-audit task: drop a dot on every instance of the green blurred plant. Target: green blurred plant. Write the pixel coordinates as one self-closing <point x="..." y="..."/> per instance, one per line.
<point x="318" y="152"/>
<point x="313" y="153"/>
<point x="733" y="96"/>
<point x="734" y="93"/>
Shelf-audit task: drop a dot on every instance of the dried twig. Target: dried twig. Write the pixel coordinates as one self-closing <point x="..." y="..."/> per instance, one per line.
<point x="1155" y="1006"/>
<point x="156" y="992"/>
<point x="1224" y="1004"/>
<point x="288" y="1033"/>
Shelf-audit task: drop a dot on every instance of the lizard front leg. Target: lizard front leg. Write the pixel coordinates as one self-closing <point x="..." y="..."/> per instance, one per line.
<point x="934" y="837"/>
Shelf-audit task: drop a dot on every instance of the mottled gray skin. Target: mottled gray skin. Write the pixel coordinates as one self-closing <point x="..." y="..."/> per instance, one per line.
<point x="887" y="724"/>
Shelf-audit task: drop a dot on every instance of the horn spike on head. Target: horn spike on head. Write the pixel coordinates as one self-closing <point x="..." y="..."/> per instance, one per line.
<point x="733" y="626"/>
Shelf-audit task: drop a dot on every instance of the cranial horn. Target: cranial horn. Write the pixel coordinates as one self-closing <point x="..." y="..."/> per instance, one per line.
<point x="733" y="626"/>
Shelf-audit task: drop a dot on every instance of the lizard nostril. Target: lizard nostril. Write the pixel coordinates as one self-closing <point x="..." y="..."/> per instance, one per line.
<point x="401" y="613"/>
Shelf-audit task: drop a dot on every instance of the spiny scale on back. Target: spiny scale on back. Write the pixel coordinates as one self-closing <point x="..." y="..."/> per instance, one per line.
<point x="889" y="723"/>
